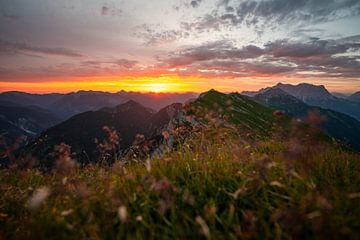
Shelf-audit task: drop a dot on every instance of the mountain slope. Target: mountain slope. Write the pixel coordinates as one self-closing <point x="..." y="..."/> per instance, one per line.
<point x="316" y="96"/>
<point x="355" y="97"/>
<point x="31" y="119"/>
<point x="127" y="120"/>
<point x="18" y="125"/>
<point x="237" y="109"/>
<point x="337" y="125"/>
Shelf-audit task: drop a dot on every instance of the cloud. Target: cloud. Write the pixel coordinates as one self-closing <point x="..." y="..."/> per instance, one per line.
<point x="265" y="14"/>
<point x="110" y="10"/>
<point x="217" y="50"/>
<point x="314" y="48"/>
<point x="153" y="35"/>
<point x="195" y="3"/>
<point x="122" y="63"/>
<point x="9" y="16"/>
<point x="104" y="10"/>
<point x="187" y="4"/>
<point x="13" y="48"/>
<point x="333" y="58"/>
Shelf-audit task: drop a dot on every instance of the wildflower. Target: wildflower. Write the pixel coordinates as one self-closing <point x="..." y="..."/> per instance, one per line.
<point x="122" y="213"/>
<point x="276" y="184"/>
<point x="188" y="198"/>
<point x="139" y="138"/>
<point x="238" y="192"/>
<point x="263" y="164"/>
<point x="64" y="162"/>
<point x="165" y="134"/>
<point x="354" y="195"/>
<point x="249" y="221"/>
<point x="313" y="215"/>
<point x="39" y="196"/>
<point x="64" y="180"/>
<point x="204" y="227"/>
<point x="148" y="165"/>
<point x="67" y="212"/>
<point x="323" y="203"/>
<point x="315" y="119"/>
<point x="279" y="113"/>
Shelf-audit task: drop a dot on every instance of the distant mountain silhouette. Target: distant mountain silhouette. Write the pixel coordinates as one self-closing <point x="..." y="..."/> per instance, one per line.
<point x="28" y="99"/>
<point x="80" y="131"/>
<point x="316" y="96"/>
<point x="337" y="125"/>
<point x="340" y="95"/>
<point x="306" y="92"/>
<point x="67" y="105"/>
<point x="355" y="97"/>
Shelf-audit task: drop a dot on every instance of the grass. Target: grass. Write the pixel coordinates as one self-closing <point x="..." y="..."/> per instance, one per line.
<point x="216" y="185"/>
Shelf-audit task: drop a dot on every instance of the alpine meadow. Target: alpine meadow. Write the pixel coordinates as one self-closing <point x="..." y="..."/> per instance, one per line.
<point x="180" y="119"/>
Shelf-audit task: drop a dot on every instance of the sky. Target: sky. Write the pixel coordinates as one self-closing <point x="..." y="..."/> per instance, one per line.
<point x="178" y="45"/>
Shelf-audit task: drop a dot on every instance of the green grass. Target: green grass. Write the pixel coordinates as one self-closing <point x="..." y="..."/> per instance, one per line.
<point x="216" y="185"/>
<point x="237" y="109"/>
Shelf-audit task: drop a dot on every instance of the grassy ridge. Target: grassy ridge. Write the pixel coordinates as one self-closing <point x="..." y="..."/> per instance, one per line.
<point x="239" y="110"/>
<point x="215" y="186"/>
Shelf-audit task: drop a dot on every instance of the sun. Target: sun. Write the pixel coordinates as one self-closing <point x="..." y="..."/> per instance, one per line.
<point x="157" y="87"/>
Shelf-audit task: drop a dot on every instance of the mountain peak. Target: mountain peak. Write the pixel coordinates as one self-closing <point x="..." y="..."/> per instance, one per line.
<point x="306" y="90"/>
<point x="131" y="105"/>
<point x="209" y="93"/>
<point x="355" y="97"/>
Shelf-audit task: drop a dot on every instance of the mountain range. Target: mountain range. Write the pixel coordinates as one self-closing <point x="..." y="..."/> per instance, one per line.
<point x="85" y="132"/>
<point x="68" y="105"/>
<point x="28" y="121"/>
<point x="140" y="127"/>
<point x="317" y="96"/>
<point x="335" y="124"/>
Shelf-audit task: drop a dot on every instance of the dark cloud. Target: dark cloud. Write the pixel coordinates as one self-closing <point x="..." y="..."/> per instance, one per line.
<point x="217" y="50"/>
<point x="333" y="58"/>
<point x="274" y="13"/>
<point x="12" y="48"/>
<point x="195" y="3"/>
<point x="185" y="4"/>
<point x="314" y="48"/>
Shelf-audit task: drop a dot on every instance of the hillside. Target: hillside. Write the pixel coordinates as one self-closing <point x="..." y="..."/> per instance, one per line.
<point x="86" y="133"/>
<point x="235" y="109"/>
<point x="340" y="126"/>
<point x="213" y="186"/>
<point x="24" y="122"/>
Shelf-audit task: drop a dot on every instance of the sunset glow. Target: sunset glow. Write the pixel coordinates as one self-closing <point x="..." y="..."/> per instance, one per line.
<point x="177" y="46"/>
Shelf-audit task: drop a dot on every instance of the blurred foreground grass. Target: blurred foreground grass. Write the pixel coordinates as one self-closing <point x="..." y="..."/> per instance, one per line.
<point x="217" y="187"/>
